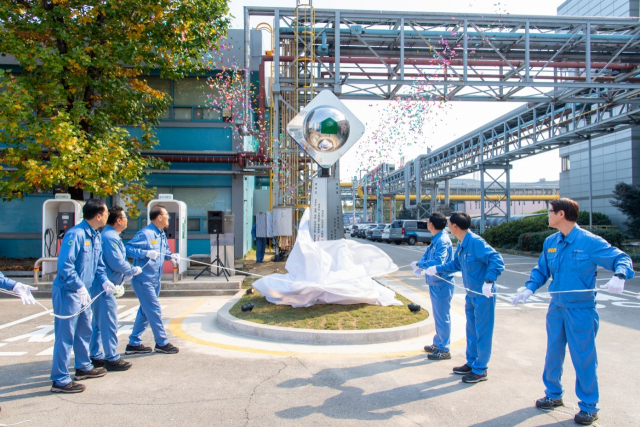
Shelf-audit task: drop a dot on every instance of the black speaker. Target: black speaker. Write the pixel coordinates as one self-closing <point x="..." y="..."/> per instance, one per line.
<point x="215" y="222"/>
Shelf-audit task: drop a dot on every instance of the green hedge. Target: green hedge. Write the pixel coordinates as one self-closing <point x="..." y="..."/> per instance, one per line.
<point x="598" y="218"/>
<point x="508" y="232"/>
<point x="614" y="236"/>
<point x="534" y="241"/>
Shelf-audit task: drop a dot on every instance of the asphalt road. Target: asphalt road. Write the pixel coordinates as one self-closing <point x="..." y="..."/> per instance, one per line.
<point x="217" y="386"/>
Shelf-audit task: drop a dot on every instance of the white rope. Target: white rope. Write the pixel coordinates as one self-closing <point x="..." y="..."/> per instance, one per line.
<point x="14" y="424"/>
<point x="50" y="311"/>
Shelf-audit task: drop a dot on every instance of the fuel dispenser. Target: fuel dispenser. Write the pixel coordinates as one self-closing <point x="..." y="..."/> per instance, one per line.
<point x="176" y="232"/>
<point x="59" y="215"/>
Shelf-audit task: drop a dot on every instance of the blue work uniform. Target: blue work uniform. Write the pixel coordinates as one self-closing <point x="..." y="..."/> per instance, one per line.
<point x="439" y="252"/>
<point x="104" y="339"/>
<point x="478" y="262"/>
<point x="571" y="262"/>
<point x="6" y="283"/>
<point x="261" y="244"/>
<point x="79" y="264"/>
<point x="147" y="284"/>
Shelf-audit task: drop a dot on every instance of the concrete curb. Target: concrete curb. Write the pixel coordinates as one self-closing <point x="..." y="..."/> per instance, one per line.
<point x="311" y="336"/>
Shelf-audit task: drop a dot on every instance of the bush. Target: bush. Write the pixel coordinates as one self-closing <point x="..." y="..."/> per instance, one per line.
<point x="508" y="232"/>
<point x="598" y="219"/>
<point x="614" y="236"/>
<point x="534" y="241"/>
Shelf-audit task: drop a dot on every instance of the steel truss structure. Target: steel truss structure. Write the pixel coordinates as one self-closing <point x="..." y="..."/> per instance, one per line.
<point x="580" y="76"/>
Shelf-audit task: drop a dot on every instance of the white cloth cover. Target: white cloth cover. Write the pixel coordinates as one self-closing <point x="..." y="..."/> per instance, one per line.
<point x="329" y="272"/>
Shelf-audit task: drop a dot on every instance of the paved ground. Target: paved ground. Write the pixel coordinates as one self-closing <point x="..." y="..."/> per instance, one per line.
<point x="220" y="379"/>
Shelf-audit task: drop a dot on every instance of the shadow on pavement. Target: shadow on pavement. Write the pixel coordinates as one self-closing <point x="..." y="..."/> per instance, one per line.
<point x="352" y="403"/>
<point x="521" y="415"/>
<point x="25" y="377"/>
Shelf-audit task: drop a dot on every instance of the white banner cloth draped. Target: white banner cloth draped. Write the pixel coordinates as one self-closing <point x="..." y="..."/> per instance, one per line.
<point x="329" y="272"/>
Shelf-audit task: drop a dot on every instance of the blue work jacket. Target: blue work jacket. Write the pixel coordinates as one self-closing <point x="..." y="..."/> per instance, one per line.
<point x="6" y="283"/>
<point x="477" y="260"/>
<point x="147" y="239"/>
<point x="80" y="259"/>
<point x="571" y="262"/>
<point x="115" y="257"/>
<point x="439" y="252"/>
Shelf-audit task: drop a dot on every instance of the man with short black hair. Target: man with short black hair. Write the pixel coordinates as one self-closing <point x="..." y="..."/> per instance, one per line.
<point x="571" y="258"/>
<point x="79" y="265"/>
<point x="480" y="265"/>
<point x="441" y="289"/>
<point x="151" y="243"/>
<point x="104" y="339"/>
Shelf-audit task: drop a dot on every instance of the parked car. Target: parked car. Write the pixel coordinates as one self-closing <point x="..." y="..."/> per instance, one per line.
<point x="376" y="234"/>
<point x="409" y="231"/>
<point x="384" y="236"/>
<point x="362" y="230"/>
<point x="369" y="231"/>
<point x="354" y="230"/>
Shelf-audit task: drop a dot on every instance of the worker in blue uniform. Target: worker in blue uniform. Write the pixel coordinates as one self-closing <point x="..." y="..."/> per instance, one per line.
<point x="570" y="258"/>
<point x="104" y="339"/>
<point x="79" y="264"/>
<point x="480" y="265"/>
<point x="23" y="291"/>
<point x="149" y="249"/>
<point x="439" y="252"/>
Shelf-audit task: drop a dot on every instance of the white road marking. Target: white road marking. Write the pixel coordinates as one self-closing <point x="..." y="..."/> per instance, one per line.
<point x="25" y="319"/>
<point x="11" y="353"/>
<point x="39" y="335"/>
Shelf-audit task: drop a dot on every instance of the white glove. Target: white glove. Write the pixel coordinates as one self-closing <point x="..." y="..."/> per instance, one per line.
<point x="136" y="271"/>
<point x="614" y="286"/>
<point x="414" y="265"/>
<point x="127" y="278"/>
<point x="152" y="254"/>
<point x="108" y="287"/>
<point x="486" y="289"/>
<point x="431" y="271"/>
<point x="419" y="273"/>
<point x="24" y="291"/>
<point x="175" y="257"/>
<point x="522" y="297"/>
<point x="85" y="298"/>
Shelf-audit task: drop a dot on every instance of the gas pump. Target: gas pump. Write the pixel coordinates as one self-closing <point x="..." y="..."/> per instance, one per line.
<point x="176" y="232"/>
<point x="59" y="215"/>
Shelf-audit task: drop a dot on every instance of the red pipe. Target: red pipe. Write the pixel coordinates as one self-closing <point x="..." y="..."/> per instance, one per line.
<point x="473" y="62"/>
<point x="240" y="158"/>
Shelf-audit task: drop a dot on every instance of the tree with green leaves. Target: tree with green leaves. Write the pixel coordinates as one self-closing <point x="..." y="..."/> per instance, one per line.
<point x="63" y="112"/>
<point x="626" y="197"/>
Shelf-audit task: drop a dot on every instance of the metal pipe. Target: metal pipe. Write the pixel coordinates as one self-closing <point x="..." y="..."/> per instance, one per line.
<point x="473" y="62"/>
<point x="195" y="172"/>
<point x="175" y="271"/>
<point x="36" y="266"/>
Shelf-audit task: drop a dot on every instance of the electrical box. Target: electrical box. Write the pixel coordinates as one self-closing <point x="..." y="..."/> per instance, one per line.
<point x="59" y="215"/>
<point x="282" y="221"/>
<point x="176" y="232"/>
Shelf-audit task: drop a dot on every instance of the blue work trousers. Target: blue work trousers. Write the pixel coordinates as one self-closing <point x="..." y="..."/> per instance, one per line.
<point x="261" y="244"/>
<point x="73" y="333"/>
<point x="578" y="328"/>
<point x="149" y="314"/>
<point x="480" y="312"/>
<point x="441" y="296"/>
<point x="104" y="338"/>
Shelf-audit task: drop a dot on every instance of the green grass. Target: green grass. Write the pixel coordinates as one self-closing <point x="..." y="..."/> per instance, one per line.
<point x="327" y="316"/>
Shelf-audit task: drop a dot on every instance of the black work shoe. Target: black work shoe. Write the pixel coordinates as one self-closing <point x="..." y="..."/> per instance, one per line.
<point x="585" y="418"/>
<point x="118" y="365"/>
<point x="430" y="348"/>
<point x="548" y="403"/>
<point x="462" y="370"/>
<point x="439" y="355"/>
<point x="94" y="373"/>
<point x="474" y="378"/>
<point x="168" y="349"/>
<point x="97" y="363"/>
<point x="72" y="387"/>
<point x="137" y="349"/>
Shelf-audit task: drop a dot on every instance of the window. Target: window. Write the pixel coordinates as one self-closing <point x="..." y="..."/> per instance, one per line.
<point x="193" y="224"/>
<point x="192" y="92"/>
<point x="163" y="85"/>
<point x="199" y="200"/>
<point x="422" y="225"/>
<point x="566" y="164"/>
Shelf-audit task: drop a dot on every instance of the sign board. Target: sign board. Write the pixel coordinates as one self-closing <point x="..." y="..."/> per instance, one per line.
<point x="326" y="210"/>
<point x="165" y="196"/>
